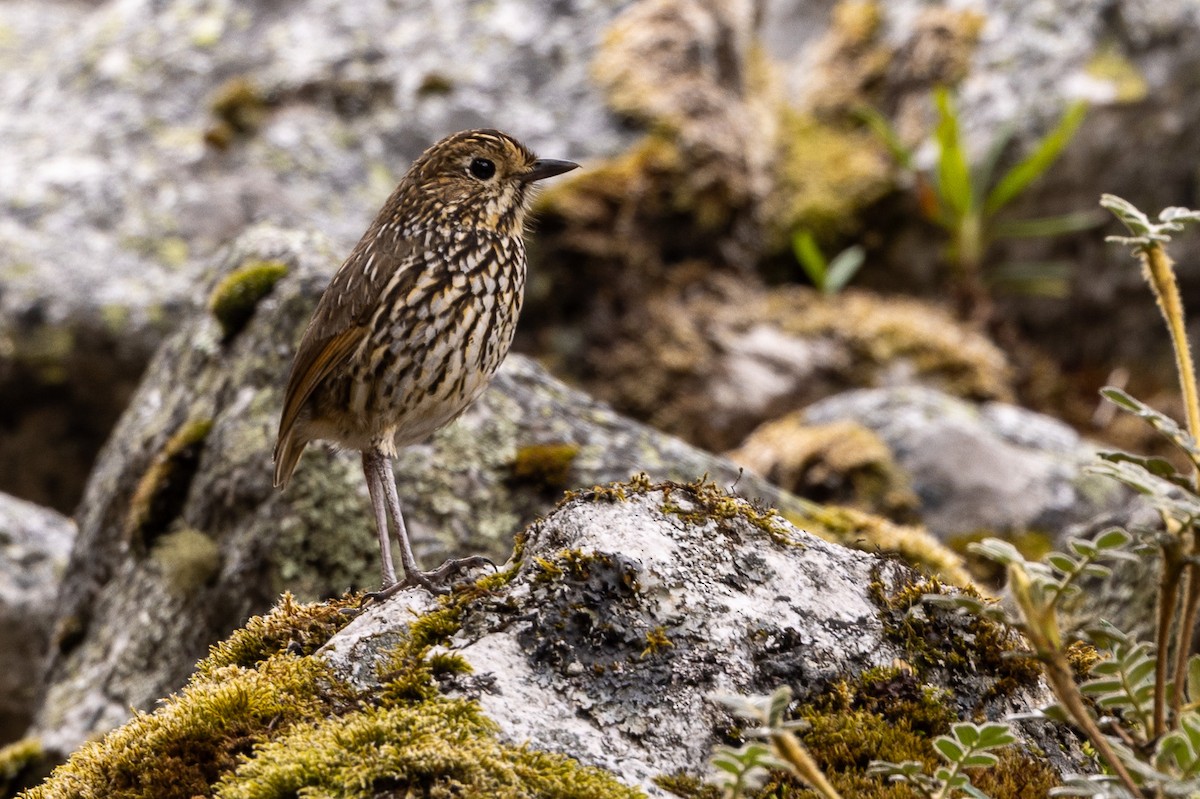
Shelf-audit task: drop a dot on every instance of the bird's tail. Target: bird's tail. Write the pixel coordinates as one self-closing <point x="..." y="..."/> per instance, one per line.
<point x="288" y="450"/>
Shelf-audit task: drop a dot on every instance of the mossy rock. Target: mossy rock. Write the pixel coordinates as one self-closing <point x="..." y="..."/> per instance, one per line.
<point x="263" y="719"/>
<point x="234" y="299"/>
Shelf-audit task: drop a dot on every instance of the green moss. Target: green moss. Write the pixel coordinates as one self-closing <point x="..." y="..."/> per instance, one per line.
<point x="435" y="84"/>
<point x="188" y="559"/>
<point x="289" y="627"/>
<point x="185" y="746"/>
<point x="656" y="641"/>
<point x="547" y="465"/>
<point x="262" y="718"/>
<point x="441" y="748"/>
<point x="162" y="490"/>
<point x="704" y="501"/>
<point x="238" y="106"/>
<point x="17" y="760"/>
<point x="854" y="528"/>
<point x="963" y="645"/>
<point x="233" y="300"/>
<point x="687" y="786"/>
<point x="826" y="175"/>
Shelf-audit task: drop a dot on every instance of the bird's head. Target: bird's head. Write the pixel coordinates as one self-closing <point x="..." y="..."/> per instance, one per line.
<point x="477" y="179"/>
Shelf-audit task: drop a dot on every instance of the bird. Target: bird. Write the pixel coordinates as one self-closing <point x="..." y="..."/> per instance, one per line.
<point x="415" y="322"/>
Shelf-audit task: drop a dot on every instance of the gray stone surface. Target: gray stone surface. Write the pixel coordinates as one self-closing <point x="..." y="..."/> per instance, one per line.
<point x="562" y="662"/>
<point x="993" y="468"/>
<point x="34" y="545"/>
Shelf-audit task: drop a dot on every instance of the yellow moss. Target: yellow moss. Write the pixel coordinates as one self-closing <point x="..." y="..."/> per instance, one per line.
<point x="290" y="626"/>
<point x="18" y="759"/>
<point x="188" y="559"/>
<point x="955" y="642"/>
<point x="825" y="175"/>
<point x="656" y="641"/>
<point x="435" y="83"/>
<point x="859" y="530"/>
<point x="842" y="461"/>
<point x="547" y="465"/>
<point x="235" y="297"/>
<point x="162" y="489"/>
<point x="1111" y="65"/>
<point x="193" y="738"/>
<point x="884" y="330"/>
<point x="1032" y="544"/>
<point x="704" y="501"/>
<point x="444" y="747"/>
<point x="239" y="105"/>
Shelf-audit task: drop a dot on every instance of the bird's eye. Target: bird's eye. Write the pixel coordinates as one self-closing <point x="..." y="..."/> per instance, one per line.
<point x="482" y="168"/>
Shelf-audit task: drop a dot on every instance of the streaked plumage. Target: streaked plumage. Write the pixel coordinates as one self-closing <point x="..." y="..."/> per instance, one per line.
<point x="417" y="320"/>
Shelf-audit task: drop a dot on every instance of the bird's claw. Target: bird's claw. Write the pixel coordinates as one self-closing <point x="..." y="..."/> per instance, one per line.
<point x="435" y="581"/>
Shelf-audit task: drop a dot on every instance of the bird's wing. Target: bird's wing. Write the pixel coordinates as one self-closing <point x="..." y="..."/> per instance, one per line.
<point x="339" y="324"/>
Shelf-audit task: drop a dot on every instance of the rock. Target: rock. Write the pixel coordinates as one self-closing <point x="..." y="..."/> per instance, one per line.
<point x="623" y="612"/>
<point x="712" y="363"/>
<point x="34" y="545"/>
<point x="630" y="619"/>
<point x="994" y="468"/>
<point x="842" y="463"/>
<point x="181" y="530"/>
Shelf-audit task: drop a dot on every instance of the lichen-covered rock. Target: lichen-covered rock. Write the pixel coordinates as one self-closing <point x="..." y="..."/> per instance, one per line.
<point x="628" y="608"/>
<point x="141" y="136"/>
<point x="993" y="468"/>
<point x="34" y="545"/>
<point x="181" y="529"/>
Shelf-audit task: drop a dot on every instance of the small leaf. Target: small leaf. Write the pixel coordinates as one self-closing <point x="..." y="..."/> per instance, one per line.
<point x="1064" y="563"/>
<point x="1167" y="427"/>
<point x="1048" y="225"/>
<point x="1193" y="678"/>
<point x="948" y="748"/>
<point x="1112" y="538"/>
<point x="953" y="174"/>
<point x="843" y="267"/>
<point x="979" y="760"/>
<point x="810" y="257"/>
<point x="1017" y="179"/>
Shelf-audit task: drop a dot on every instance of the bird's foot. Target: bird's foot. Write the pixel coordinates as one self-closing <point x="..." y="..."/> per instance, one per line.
<point x="435" y="582"/>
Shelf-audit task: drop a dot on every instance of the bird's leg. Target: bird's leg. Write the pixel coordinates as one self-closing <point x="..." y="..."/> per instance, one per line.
<point x="412" y="575"/>
<point x="431" y="580"/>
<point x="372" y="461"/>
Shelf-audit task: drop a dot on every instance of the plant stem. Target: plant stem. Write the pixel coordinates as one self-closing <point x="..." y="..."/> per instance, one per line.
<point x="1157" y="266"/>
<point x="1187" y="623"/>
<point x="1058" y="673"/>
<point x="788" y="747"/>
<point x="1168" y="597"/>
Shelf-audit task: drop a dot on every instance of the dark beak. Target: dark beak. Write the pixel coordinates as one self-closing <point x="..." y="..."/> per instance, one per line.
<point x="547" y="168"/>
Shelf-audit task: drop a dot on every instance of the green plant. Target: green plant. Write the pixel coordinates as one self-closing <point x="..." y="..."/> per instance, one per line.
<point x="829" y="277"/>
<point x="965" y="201"/>
<point x="967" y="746"/>
<point x="747" y="765"/>
<point x="1143" y="719"/>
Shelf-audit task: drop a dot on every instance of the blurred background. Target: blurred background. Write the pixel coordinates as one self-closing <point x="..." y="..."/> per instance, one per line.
<point x="782" y="201"/>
